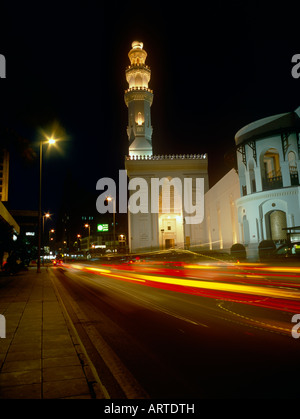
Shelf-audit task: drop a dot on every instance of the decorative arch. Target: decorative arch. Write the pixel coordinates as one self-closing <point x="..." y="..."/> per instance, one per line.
<point x="293" y="168"/>
<point x="270" y="168"/>
<point x="252" y="179"/>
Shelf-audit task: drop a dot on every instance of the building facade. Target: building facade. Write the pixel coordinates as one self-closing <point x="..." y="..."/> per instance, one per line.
<point x="269" y="173"/>
<point x="4" y="172"/>
<point x="221" y="221"/>
<point x="258" y="201"/>
<point x="165" y="226"/>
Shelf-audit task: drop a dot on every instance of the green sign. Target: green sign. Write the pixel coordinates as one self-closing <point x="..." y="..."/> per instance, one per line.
<point x="102" y="227"/>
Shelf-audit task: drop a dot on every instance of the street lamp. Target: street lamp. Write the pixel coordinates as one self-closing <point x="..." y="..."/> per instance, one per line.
<point x="46" y="215"/>
<point x="78" y="241"/>
<point x="89" y="227"/>
<point x="110" y="198"/>
<point x="42" y="142"/>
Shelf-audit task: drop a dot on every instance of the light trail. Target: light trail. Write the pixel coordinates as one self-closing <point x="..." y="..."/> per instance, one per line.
<point x="273" y="295"/>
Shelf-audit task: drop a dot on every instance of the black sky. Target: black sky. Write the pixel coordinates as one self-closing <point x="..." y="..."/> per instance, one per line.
<point x="215" y="68"/>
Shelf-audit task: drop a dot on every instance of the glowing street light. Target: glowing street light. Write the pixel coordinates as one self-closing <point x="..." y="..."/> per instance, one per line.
<point x="89" y="227"/>
<point x="49" y="141"/>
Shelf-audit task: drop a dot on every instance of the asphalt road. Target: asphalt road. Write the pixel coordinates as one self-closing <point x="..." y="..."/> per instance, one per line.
<point x="227" y="335"/>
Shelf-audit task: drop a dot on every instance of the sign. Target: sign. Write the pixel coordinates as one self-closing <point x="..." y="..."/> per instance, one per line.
<point x="102" y="227"/>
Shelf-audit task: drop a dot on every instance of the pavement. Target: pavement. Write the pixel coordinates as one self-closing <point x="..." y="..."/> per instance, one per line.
<point x="41" y="356"/>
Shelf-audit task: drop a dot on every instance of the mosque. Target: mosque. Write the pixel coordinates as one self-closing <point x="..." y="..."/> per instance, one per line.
<point x="258" y="201"/>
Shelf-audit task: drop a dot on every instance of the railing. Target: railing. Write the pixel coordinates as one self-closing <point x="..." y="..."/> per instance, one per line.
<point x="294" y="179"/>
<point x="274" y="182"/>
<point x="129" y="67"/>
<point x="168" y="157"/>
<point x="132" y="89"/>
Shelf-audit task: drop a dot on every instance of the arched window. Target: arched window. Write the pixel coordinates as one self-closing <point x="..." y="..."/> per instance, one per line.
<point x="293" y="168"/>
<point x="270" y="170"/>
<point x="252" y="177"/>
<point x="140" y="119"/>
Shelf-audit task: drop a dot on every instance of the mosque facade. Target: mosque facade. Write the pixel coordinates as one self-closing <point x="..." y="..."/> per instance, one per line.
<point x="258" y="201"/>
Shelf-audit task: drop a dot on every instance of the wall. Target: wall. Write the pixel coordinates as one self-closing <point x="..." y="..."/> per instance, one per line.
<point x="221" y="214"/>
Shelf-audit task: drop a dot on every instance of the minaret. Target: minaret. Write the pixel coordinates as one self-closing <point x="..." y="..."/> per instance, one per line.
<point x="138" y="99"/>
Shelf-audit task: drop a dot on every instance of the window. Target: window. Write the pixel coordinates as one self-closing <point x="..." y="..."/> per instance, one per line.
<point x="270" y="170"/>
<point x="293" y="168"/>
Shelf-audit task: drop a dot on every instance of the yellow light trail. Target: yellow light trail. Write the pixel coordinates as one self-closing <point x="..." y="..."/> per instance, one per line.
<point x="98" y="270"/>
<point x="286" y="269"/>
<point x="201" y="284"/>
<point x="237" y="288"/>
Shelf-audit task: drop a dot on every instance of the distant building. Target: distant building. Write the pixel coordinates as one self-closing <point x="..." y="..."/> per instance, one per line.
<point x="4" y="174"/>
<point x="6" y="218"/>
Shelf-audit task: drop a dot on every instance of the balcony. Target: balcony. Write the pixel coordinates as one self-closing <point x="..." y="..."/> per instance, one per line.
<point x="274" y="182"/>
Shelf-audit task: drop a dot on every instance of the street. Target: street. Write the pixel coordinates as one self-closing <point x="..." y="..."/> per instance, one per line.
<point x="157" y="329"/>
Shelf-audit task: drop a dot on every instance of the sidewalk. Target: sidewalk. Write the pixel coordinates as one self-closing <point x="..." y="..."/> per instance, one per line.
<point x="39" y="357"/>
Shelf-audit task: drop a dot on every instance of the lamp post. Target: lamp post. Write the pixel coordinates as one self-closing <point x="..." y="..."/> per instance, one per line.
<point x="89" y="227"/>
<point x="78" y="242"/>
<point x="48" y="141"/>
<point x="51" y="239"/>
<point x="110" y="198"/>
<point x="46" y="215"/>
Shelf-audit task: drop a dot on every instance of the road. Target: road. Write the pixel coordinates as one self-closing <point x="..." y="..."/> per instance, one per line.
<point x="186" y="330"/>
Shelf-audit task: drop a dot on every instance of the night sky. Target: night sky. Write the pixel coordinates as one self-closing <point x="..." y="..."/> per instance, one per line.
<point x="215" y="68"/>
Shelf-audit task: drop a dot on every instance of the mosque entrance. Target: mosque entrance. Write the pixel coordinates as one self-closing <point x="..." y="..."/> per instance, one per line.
<point x="169" y="243"/>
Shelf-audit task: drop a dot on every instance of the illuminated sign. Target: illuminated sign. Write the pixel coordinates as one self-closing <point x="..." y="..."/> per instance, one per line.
<point x="102" y="227"/>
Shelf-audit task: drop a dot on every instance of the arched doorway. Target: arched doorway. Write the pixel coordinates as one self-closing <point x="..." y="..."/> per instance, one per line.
<point x="246" y="230"/>
<point x="276" y="224"/>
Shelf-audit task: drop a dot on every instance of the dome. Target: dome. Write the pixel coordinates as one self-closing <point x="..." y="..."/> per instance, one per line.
<point x="137" y="54"/>
<point x="265" y="127"/>
<point x="137" y="44"/>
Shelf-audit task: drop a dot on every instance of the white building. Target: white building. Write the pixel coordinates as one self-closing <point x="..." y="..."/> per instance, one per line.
<point x="262" y="201"/>
<point x="161" y="228"/>
<point x="259" y="201"/>
<point x="221" y="221"/>
<point x="268" y="167"/>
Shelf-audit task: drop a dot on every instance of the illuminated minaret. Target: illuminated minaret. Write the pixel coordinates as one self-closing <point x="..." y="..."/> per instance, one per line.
<point x="138" y="99"/>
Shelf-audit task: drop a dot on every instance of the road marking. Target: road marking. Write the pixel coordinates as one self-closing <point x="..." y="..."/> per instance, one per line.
<point x="273" y="328"/>
<point x="147" y="302"/>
